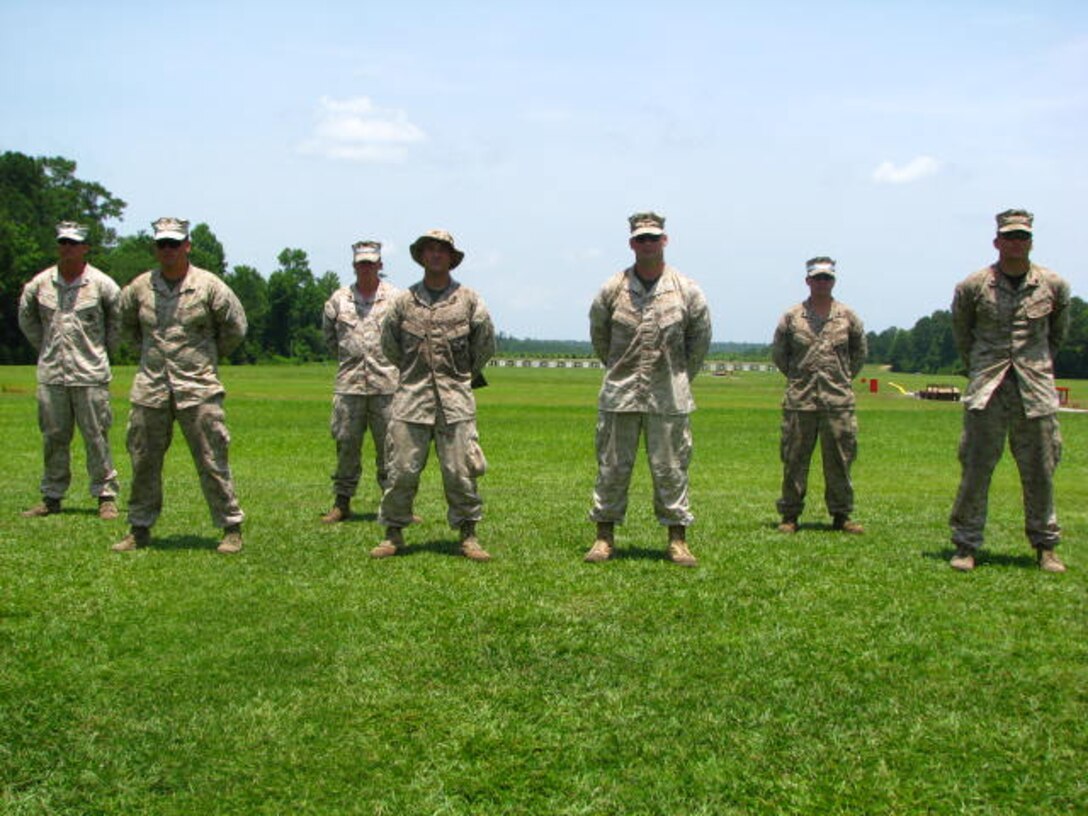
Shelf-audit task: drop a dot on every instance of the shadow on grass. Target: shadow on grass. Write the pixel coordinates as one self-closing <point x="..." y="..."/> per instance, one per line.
<point x="358" y="517"/>
<point x="66" y="511"/>
<point x="639" y="552"/>
<point x="183" y="542"/>
<point x="438" y="546"/>
<point x="984" y="558"/>
<point x="810" y="527"/>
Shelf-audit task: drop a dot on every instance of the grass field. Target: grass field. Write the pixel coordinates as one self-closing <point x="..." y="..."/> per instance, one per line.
<point x="817" y="673"/>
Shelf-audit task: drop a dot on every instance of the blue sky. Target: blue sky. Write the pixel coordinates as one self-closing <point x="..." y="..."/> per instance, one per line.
<point x="884" y="134"/>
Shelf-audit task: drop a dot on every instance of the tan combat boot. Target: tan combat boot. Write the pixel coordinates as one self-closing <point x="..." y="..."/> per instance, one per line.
<point x="605" y="545"/>
<point x="788" y="525"/>
<point x="963" y="560"/>
<point x="1048" y="560"/>
<point x="107" y="508"/>
<point x="137" y="537"/>
<point x="341" y="510"/>
<point x="390" y="545"/>
<point x="841" y="523"/>
<point x="48" y="507"/>
<point x="678" y="551"/>
<point x="470" y="546"/>
<point x="232" y="540"/>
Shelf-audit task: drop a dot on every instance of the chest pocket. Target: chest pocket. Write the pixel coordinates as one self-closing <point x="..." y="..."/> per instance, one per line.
<point x="669" y="314"/>
<point x="626" y="313"/>
<point x="1039" y="305"/>
<point x="193" y="313"/>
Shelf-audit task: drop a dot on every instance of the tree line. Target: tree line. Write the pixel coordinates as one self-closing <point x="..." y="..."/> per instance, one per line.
<point x="929" y="347"/>
<point x="284" y="309"/>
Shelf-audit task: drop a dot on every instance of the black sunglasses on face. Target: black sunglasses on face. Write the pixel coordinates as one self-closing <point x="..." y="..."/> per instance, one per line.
<point x="68" y="242"/>
<point x="168" y="243"/>
<point x="1016" y="236"/>
<point x="647" y="239"/>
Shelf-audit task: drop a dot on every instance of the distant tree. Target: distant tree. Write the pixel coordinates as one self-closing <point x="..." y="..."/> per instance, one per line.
<point x="880" y="345"/>
<point x="207" y="252"/>
<point x="1072" y="362"/>
<point x="132" y="255"/>
<point x="252" y="290"/>
<point x="295" y="301"/>
<point x="36" y="193"/>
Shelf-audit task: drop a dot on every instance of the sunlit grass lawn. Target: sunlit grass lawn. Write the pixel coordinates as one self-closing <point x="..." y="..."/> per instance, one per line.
<point x="809" y="674"/>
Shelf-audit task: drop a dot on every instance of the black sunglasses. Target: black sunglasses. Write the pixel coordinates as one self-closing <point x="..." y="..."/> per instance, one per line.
<point x="168" y="243"/>
<point x="68" y="242"/>
<point x="1018" y="235"/>
<point x="647" y="239"/>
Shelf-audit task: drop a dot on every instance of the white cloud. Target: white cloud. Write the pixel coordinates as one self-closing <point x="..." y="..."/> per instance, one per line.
<point x="355" y="130"/>
<point x="917" y="168"/>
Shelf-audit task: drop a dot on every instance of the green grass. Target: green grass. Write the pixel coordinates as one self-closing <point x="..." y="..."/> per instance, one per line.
<point x="809" y="674"/>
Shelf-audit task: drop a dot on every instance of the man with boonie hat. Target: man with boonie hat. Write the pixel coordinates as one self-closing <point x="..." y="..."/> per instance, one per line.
<point x="184" y="320"/>
<point x="820" y="346"/>
<point x="69" y="313"/>
<point x="650" y="326"/>
<point x="1009" y="320"/>
<point x="440" y="336"/>
<point x="365" y="378"/>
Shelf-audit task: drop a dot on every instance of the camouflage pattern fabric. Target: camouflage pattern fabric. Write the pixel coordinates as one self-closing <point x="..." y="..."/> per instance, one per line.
<point x="460" y="457"/>
<point x="60" y="410"/>
<point x="820" y="357"/>
<point x="73" y="326"/>
<point x="150" y="432"/>
<point x="352" y="415"/>
<point x="652" y="342"/>
<point x="1036" y="445"/>
<point x="439" y="345"/>
<point x="838" y="433"/>
<point x="668" y="450"/>
<point x="181" y="334"/>
<point x="352" y="326"/>
<point x="999" y="327"/>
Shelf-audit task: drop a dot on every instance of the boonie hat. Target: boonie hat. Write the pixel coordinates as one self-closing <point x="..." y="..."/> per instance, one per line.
<point x="436" y="235"/>
<point x="366" y="251"/>
<point x="1014" y="221"/>
<point x="646" y="223"/>
<point x="820" y="265"/>
<point x="176" y="228"/>
<point x="72" y="231"/>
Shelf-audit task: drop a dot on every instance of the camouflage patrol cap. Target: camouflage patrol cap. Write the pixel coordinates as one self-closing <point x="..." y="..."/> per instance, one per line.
<point x="820" y="265"/>
<point x="169" y="227"/>
<point x="646" y="223"/>
<point x="366" y="251"/>
<point x="440" y="235"/>
<point x="1014" y="221"/>
<point x="71" y="231"/>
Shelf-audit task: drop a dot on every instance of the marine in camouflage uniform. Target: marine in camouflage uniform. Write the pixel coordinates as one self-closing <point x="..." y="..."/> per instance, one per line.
<point x="183" y="319"/>
<point x="820" y="346"/>
<point x="69" y="313"/>
<point x="365" y="378"/>
<point x="440" y="336"/>
<point x="1009" y="320"/>
<point x="650" y="326"/>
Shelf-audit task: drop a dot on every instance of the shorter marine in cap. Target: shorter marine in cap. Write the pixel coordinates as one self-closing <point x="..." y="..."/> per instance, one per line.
<point x="646" y="223"/>
<point x="1014" y="221"/>
<point x="366" y="252"/>
<point x="69" y="314"/>
<point x="168" y="228"/>
<point x="820" y="266"/>
<point x="442" y="236"/>
<point x="71" y="231"/>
